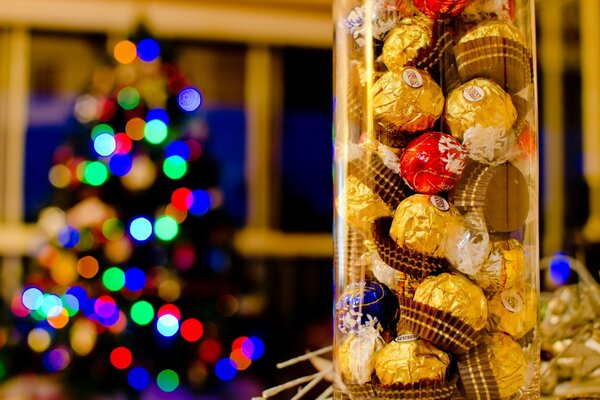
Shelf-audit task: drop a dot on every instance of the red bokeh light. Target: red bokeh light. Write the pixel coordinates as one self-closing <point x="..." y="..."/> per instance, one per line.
<point x="192" y="330"/>
<point x="210" y="350"/>
<point x="182" y="199"/>
<point x="121" y="357"/>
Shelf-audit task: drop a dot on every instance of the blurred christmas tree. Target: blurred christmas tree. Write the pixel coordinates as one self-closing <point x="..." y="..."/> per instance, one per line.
<point x="112" y="300"/>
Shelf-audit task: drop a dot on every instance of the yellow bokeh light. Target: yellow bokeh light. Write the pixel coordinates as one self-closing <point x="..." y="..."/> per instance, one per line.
<point x="59" y="321"/>
<point x="64" y="271"/>
<point x="177" y="215"/>
<point x="39" y="340"/>
<point x="59" y="176"/>
<point x="83" y="337"/>
<point x="135" y="128"/>
<point x="87" y="267"/>
<point x="118" y="251"/>
<point x="125" y="52"/>
<point x="169" y="290"/>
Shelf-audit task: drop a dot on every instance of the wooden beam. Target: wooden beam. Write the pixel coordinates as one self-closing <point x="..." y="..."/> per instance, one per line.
<point x="271" y="243"/>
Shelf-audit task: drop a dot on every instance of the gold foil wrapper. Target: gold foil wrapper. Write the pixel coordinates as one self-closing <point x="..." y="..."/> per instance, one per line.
<point x="405" y="41"/>
<point x="495" y="28"/>
<point x="508" y="363"/>
<point x="514" y="311"/>
<point x="504" y="267"/>
<point x="456" y="295"/>
<point x="479" y="103"/>
<point x="363" y="206"/>
<point x="421" y="223"/>
<point x="401" y="283"/>
<point x="356" y="355"/>
<point x="407" y="100"/>
<point x="409" y="360"/>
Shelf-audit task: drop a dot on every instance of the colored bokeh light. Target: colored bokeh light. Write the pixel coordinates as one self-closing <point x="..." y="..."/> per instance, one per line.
<point x="225" y="369"/>
<point x="184" y="257"/>
<point x="167" y="325"/>
<point x="155" y="131"/>
<point x="560" y="268"/>
<point x="68" y="237"/>
<point x="148" y="50"/>
<point x="95" y="173"/>
<point x="258" y="347"/>
<point x="178" y="148"/>
<point x="135" y="279"/>
<point x="210" y="350"/>
<point x="31" y="297"/>
<point x="158" y="113"/>
<point x="59" y="176"/>
<point x="140" y="229"/>
<point x="100" y="129"/>
<point x="128" y="98"/>
<point x="189" y="99"/>
<point x="87" y="267"/>
<point x="17" y="307"/>
<point x="195" y="149"/>
<point x="113" y="279"/>
<point x="123" y="143"/>
<point x="125" y="52"/>
<point x="70" y="303"/>
<point x="80" y="294"/>
<point x="39" y="340"/>
<point x="135" y="128"/>
<point x="121" y="357"/>
<point x="175" y="167"/>
<point x="59" y="321"/>
<point x="182" y="199"/>
<point x="106" y="310"/>
<point x="169" y="309"/>
<point x="138" y="378"/>
<point x="201" y="203"/>
<point x="105" y="110"/>
<point x="112" y="229"/>
<point x="105" y="144"/>
<point x="57" y="359"/>
<point x="166" y="228"/>
<point x="120" y="165"/>
<point x="167" y="380"/>
<point x="51" y="305"/>
<point x="241" y="361"/>
<point x="142" y="312"/>
<point x="192" y="330"/>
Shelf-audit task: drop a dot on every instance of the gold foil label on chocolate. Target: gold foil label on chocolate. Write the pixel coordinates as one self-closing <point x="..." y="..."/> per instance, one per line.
<point x="412" y="78"/>
<point x="473" y="93"/>
<point x="406" y="338"/>
<point x="440" y="203"/>
<point x="512" y="300"/>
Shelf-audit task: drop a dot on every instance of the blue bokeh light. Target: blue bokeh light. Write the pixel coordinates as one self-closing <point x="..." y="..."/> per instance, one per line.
<point x="259" y="347"/>
<point x="105" y="144"/>
<point x="135" y="279"/>
<point x="138" y="378"/>
<point x="177" y="148"/>
<point x="167" y="325"/>
<point x="30" y="298"/>
<point x="140" y="229"/>
<point x="68" y="237"/>
<point x="189" y="99"/>
<point x="80" y="294"/>
<point x="120" y="164"/>
<point x="201" y="203"/>
<point x="158" y="113"/>
<point x="560" y="268"/>
<point x="148" y="50"/>
<point x="225" y="369"/>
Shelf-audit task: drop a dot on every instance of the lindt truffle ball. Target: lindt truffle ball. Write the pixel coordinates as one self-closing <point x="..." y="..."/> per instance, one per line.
<point x="384" y="17"/>
<point x="440" y="9"/>
<point x="482" y="115"/>
<point x="504" y="267"/>
<point x="405" y="41"/>
<point x="356" y="355"/>
<point x="421" y="223"/>
<point x="366" y="304"/>
<point x="407" y="100"/>
<point x="409" y="360"/>
<point x="433" y="162"/>
<point x="479" y="10"/>
<point x="514" y="311"/>
<point x="468" y="244"/>
<point x="456" y="295"/>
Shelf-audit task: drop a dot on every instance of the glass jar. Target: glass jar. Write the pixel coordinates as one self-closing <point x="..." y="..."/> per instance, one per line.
<point x="436" y="191"/>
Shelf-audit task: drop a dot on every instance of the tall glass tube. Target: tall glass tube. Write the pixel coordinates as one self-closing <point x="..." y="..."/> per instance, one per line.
<point x="436" y="193"/>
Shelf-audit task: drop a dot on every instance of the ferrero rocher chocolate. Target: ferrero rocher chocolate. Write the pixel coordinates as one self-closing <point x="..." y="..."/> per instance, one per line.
<point x="407" y="100"/>
<point x="508" y="363"/>
<point x="356" y="355"/>
<point x="514" y="311"/>
<point x="421" y="222"/>
<point x="479" y="103"/>
<point x="405" y="41"/>
<point x="456" y="295"/>
<point x="409" y="360"/>
<point x="362" y="205"/>
<point x="504" y="267"/>
<point x="433" y="162"/>
<point x="494" y="28"/>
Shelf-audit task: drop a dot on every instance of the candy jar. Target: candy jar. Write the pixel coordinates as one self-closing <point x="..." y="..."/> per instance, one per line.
<point x="436" y="183"/>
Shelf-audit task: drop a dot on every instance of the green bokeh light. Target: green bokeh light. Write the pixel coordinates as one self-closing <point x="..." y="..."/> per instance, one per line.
<point x="155" y="131"/>
<point x="167" y="380"/>
<point x="101" y="128"/>
<point x="174" y="167"/>
<point x="128" y="98"/>
<point x="95" y="173"/>
<point x="113" y="229"/>
<point x="2" y="370"/>
<point x="113" y="279"/>
<point x="142" y="312"/>
<point x="166" y="228"/>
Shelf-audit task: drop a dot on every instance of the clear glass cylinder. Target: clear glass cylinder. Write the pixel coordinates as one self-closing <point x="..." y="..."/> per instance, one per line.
<point x="436" y="193"/>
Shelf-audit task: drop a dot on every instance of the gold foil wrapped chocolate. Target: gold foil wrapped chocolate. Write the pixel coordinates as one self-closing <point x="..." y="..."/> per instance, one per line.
<point x="405" y="41"/>
<point x="456" y="295"/>
<point x="479" y="103"/>
<point x="494" y="28"/>
<point x="421" y="223"/>
<point x="508" y="363"/>
<point x="409" y="360"/>
<point x="504" y="267"/>
<point x="407" y="100"/>
<point x="514" y="311"/>
<point x="401" y="283"/>
<point x="356" y="355"/>
<point x="362" y="205"/>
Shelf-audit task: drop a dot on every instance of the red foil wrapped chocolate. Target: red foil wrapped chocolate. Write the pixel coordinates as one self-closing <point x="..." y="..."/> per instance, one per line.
<point x="440" y="9"/>
<point x="433" y="162"/>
